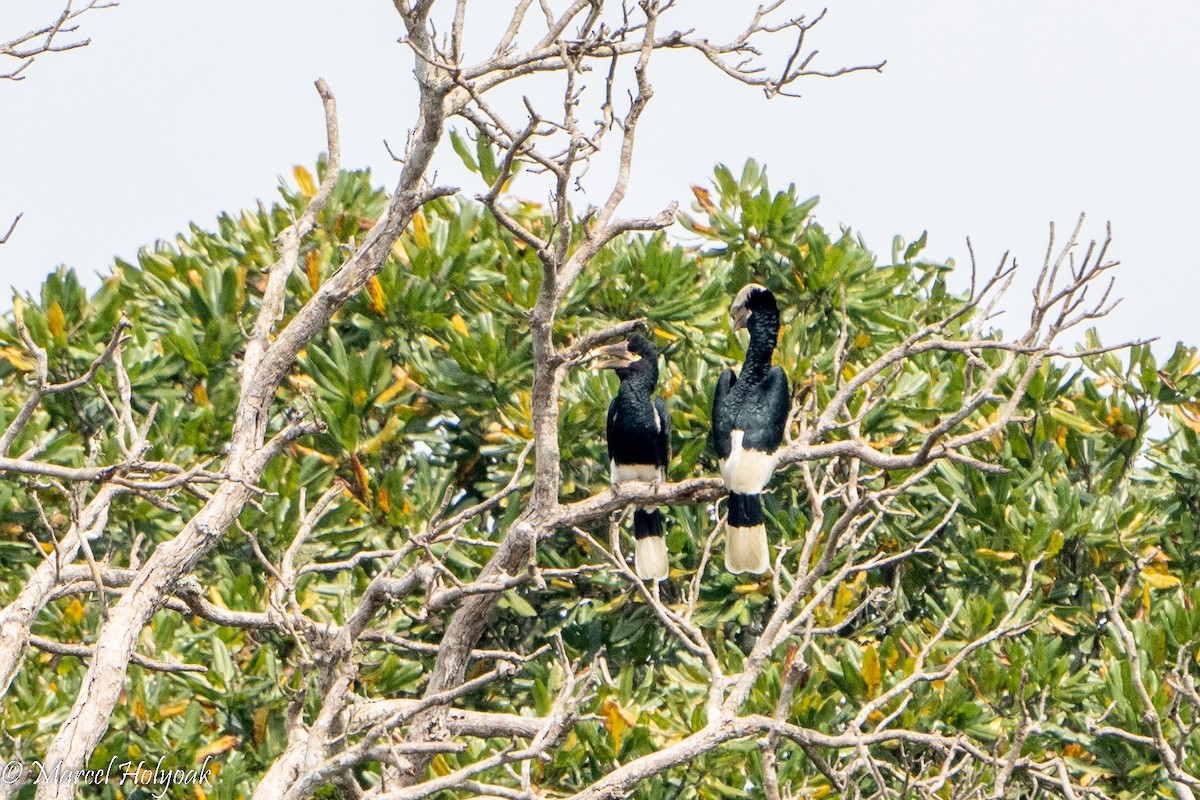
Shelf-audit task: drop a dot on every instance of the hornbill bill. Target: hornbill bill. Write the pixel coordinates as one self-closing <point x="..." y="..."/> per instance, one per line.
<point x="639" y="443"/>
<point x="749" y="414"/>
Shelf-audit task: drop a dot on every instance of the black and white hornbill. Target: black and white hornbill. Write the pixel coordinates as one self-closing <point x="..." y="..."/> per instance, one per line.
<point x="750" y="411"/>
<point x="639" y="443"/>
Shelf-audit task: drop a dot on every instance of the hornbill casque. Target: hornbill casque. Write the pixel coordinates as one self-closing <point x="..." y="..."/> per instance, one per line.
<point x="749" y="414"/>
<point x="639" y="443"/>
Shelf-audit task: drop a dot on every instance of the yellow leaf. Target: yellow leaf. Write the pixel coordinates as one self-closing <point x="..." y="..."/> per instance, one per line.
<point x="870" y="668"/>
<point x="1193" y="363"/>
<point x="1189" y="415"/>
<point x="862" y="340"/>
<point x="302" y="451"/>
<point x="310" y="600"/>
<point x="377" y="295"/>
<point x="1154" y="555"/>
<point x="239" y="283"/>
<point x="312" y="268"/>
<point x="996" y="555"/>
<point x="846" y="592"/>
<point x="614" y="721"/>
<point x="432" y="342"/>
<point x="420" y="231"/>
<point x="304" y="179"/>
<point x="387" y="434"/>
<point x="459" y="324"/>
<point x="400" y="253"/>
<point x="139" y="709"/>
<point x="1073" y="421"/>
<point x="384" y="500"/>
<point x="302" y="383"/>
<point x="704" y="199"/>
<point x="396" y="388"/>
<point x="17" y="358"/>
<point x="1060" y="626"/>
<point x="1160" y="580"/>
<point x="73" y="613"/>
<point x="200" y="394"/>
<point x="260" y="725"/>
<point x="55" y="320"/>
<point x="362" y="485"/>
<point x="222" y="745"/>
<point x="216" y="598"/>
<point x="173" y="710"/>
<point x="440" y="766"/>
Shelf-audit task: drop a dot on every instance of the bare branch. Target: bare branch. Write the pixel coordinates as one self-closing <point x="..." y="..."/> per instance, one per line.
<point x="12" y="227"/>
<point x="25" y="48"/>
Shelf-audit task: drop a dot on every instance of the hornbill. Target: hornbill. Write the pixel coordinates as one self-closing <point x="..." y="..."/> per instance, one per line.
<point x="639" y="443"/>
<point x="749" y="414"/>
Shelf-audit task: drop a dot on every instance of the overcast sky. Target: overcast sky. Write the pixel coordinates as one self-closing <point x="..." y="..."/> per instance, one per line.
<point x="990" y="120"/>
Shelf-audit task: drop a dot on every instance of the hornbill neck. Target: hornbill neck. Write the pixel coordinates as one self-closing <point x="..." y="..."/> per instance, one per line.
<point x="640" y="378"/>
<point x="764" y="332"/>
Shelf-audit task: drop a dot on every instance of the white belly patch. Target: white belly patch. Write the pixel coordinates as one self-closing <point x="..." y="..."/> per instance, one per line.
<point x="635" y="472"/>
<point x="747" y="471"/>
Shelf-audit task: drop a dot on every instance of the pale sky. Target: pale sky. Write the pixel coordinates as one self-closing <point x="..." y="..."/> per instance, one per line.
<point x="990" y="120"/>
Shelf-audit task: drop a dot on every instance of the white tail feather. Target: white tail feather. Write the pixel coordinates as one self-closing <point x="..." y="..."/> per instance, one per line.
<point x="650" y="558"/>
<point x="746" y="549"/>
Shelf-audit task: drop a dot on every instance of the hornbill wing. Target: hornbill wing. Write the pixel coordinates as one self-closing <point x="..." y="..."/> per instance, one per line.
<point x="768" y="417"/>
<point x="608" y="431"/>
<point x="723" y="416"/>
<point x="663" y="443"/>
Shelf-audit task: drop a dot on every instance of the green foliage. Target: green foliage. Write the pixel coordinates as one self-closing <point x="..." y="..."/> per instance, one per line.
<point x="423" y="382"/>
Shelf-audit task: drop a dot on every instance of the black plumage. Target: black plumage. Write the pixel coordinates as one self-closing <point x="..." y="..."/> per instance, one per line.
<point x="639" y="443"/>
<point x="750" y="412"/>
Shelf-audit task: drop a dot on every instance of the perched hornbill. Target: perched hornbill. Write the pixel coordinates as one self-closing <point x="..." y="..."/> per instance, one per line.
<point x="749" y="414"/>
<point x="639" y="443"/>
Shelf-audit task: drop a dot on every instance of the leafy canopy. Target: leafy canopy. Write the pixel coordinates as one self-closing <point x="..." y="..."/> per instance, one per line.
<point x="423" y="383"/>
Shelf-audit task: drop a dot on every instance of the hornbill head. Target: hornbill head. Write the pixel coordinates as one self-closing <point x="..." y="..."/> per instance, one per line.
<point x="753" y="297"/>
<point x="635" y="353"/>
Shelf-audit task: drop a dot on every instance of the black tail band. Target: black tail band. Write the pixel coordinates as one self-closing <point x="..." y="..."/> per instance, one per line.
<point x="647" y="523"/>
<point x="745" y="510"/>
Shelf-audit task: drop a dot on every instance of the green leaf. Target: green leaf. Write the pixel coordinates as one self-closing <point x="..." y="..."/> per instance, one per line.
<point x="464" y="153"/>
<point x="519" y="605"/>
